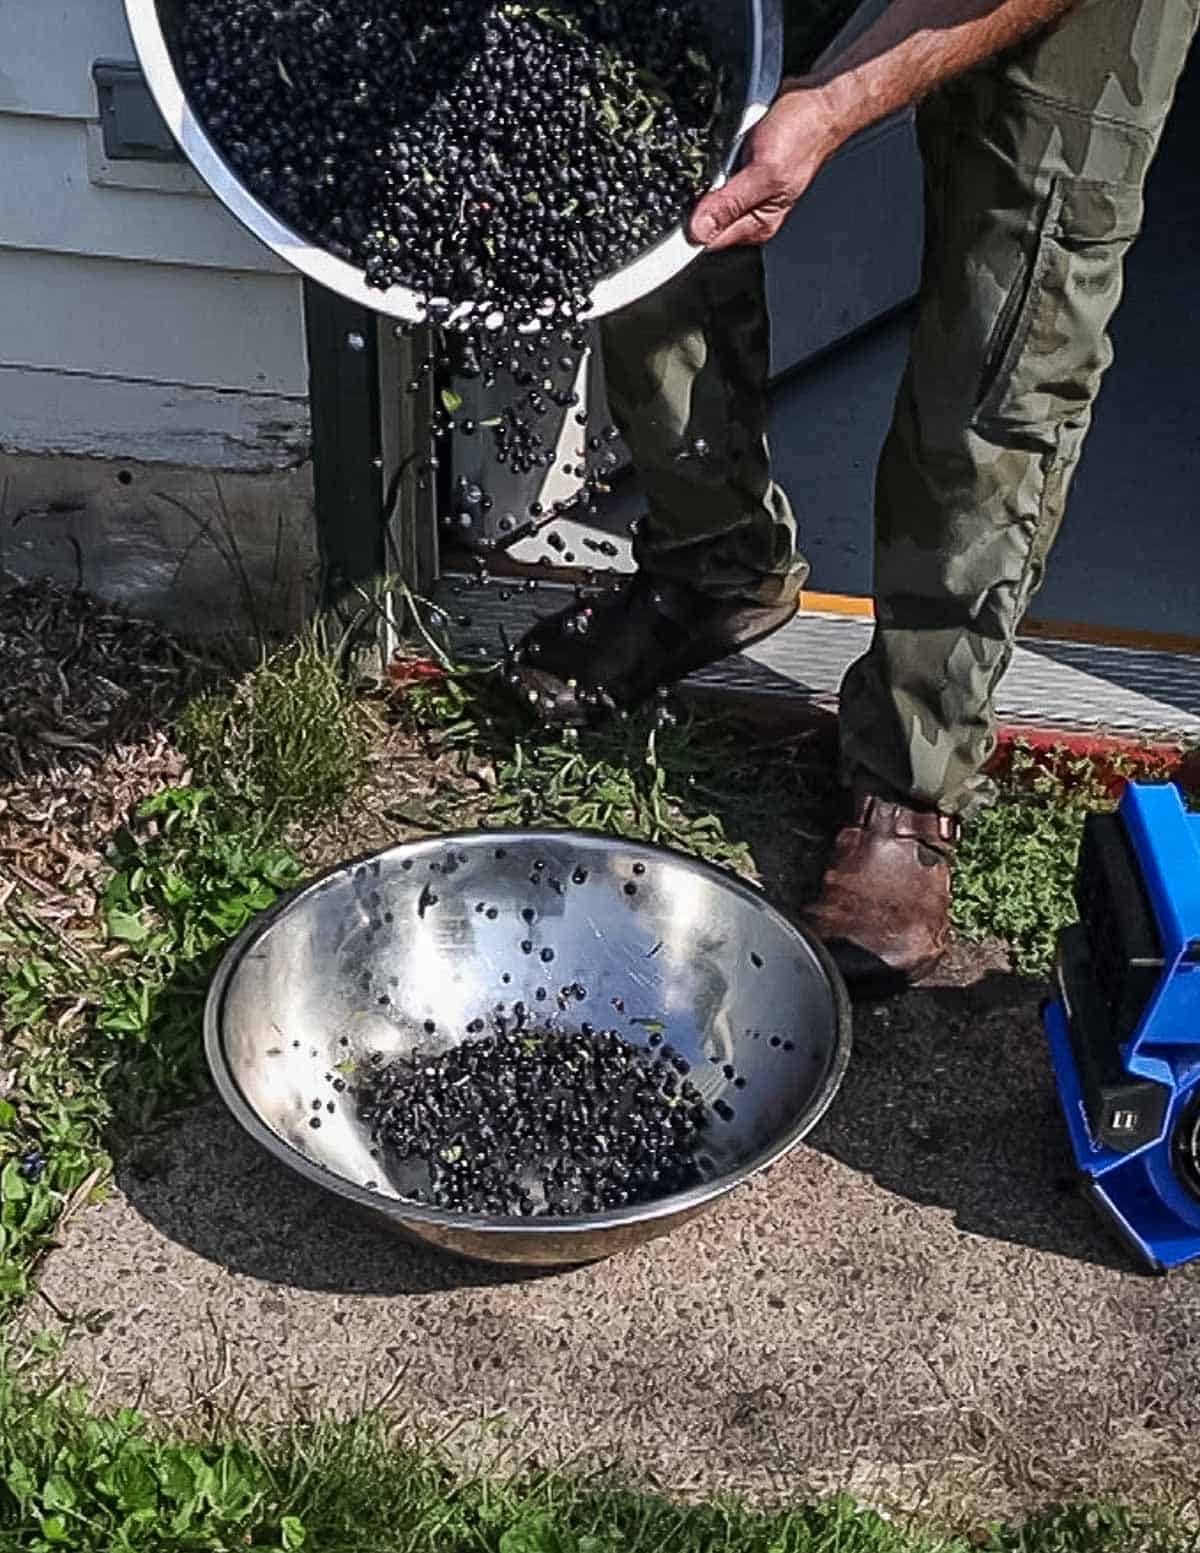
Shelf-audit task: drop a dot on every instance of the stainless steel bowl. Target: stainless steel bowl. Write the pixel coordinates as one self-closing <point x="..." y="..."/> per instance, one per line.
<point x="744" y="35"/>
<point x="665" y="946"/>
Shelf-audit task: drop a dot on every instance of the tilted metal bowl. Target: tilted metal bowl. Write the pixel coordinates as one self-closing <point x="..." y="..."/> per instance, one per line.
<point x="746" y="36"/>
<point x="357" y="961"/>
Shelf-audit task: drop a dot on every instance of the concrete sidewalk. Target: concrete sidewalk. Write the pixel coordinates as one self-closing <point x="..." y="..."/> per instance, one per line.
<point x="916" y="1307"/>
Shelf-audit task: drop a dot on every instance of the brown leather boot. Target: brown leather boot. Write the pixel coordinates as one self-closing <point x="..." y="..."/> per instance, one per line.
<point x="883" y="910"/>
<point x="590" y="660"/>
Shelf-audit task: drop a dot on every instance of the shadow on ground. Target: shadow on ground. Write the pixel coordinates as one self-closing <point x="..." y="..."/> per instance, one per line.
<point x="202" y="1183"/>
<point x="950" y="1103"/>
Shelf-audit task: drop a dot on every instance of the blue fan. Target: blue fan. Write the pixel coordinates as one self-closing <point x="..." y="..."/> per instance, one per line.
<point x="1124" y="1027"/>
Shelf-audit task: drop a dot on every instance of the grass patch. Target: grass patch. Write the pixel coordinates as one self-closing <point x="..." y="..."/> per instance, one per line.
<point x="1015" y="869"/>
<point x="70" y="1479"/>
<point x="288" y="740"/>
<point x="703" y="785"/>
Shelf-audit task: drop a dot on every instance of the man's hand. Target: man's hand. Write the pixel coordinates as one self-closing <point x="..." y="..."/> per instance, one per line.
<point x="914" y="47"/>
<point x="784" y="153"/>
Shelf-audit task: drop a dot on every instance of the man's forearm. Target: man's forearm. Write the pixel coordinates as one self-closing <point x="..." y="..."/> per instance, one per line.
<point x="916" y="46"/>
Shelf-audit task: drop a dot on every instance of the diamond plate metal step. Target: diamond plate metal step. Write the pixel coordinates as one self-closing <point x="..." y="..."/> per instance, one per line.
<point x="1051" y="684"/>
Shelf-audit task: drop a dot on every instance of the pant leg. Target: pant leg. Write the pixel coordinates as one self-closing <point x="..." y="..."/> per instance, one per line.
<point x="687" y="371"/>
<point x="1035" y="167"/>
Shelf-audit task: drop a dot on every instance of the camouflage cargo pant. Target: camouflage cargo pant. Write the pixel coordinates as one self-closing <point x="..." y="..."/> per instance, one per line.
<point x="1034" y="170"/>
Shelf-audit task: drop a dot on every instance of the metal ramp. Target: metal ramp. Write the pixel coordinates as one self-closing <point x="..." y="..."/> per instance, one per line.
<point x="1072" y="686"/>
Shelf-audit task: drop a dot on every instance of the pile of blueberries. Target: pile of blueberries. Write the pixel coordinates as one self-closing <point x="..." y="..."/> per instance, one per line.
<point x="497" y="157"/>
<point x="492" y="152"/>
<point x="535" y="1121"/>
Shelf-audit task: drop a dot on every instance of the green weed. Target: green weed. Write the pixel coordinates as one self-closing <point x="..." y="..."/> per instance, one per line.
<point x="288" y="739"/>
<point x="706" y="786"/>
<point x="110" y="1039"/>
<point x="1014" y="873"/>
<point x="177" y="900"/>
<point x="105" y="1029"/>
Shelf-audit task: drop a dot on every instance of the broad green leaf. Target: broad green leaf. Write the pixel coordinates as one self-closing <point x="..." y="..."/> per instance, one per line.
<point x="21" y="1483"/>
<point x="176" y="1477"/>
<point x="127" y="927"/>
<point x="238" y="1491"/>
<point x="13" y="1186"/>
<point x="175" y="800"/>
<point x="57" y="1493"/>
<point x="291" y="1533"/>
<point x="131" y="1481"/>
<point x="451" y="402"/>
<point x="184" y="1518"/>
<point x="535" y="1536"/>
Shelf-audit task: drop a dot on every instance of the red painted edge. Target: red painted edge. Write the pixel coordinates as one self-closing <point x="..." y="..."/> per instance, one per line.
<point x="1115" y="758"/>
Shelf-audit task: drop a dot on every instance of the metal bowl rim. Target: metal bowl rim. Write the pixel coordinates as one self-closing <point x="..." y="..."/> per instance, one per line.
<point x="400" y="1209"/>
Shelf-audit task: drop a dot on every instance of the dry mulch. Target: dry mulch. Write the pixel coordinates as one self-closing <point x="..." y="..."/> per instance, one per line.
<point x="87" y="694"/>
<point x="81" y="679"/>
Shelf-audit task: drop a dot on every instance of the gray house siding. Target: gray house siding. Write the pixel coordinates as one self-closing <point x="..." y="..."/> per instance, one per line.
<point x="154" y="428"/>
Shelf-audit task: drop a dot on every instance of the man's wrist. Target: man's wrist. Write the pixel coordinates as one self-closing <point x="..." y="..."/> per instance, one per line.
<point x="830" y="104"/>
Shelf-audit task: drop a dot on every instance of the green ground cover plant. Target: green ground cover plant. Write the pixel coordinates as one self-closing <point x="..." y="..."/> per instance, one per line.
<point x="1015" y="868"/>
